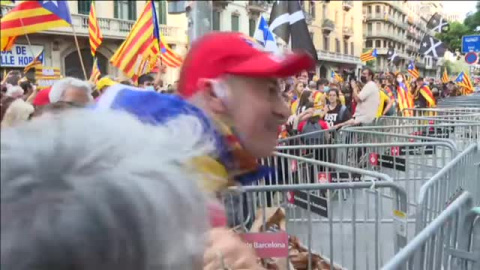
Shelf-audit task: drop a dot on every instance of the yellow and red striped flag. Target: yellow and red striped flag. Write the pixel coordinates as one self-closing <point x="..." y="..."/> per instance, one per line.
<point x="35" y="16"/>
<point x="369" y="55"/>
<point x="7" y="43"/>
<point x="412" y="70"/>
<point x="169" y="57"/>
<point x="445" y="78"/>
<point x="36" y="62"/>
<point x="94" y="32"/>
<point x="428" y="95"/>
<point x="464" y="81"/>
<point x="142" y="41"/>
<point x="95" y="75"/>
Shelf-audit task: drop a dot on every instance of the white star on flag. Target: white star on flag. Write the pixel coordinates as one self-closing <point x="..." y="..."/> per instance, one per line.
<point x="53" y="2"/>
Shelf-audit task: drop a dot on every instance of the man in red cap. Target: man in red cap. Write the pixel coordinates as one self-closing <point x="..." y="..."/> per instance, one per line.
<point x="229" y="83"/>
<point x="229" y="77"/>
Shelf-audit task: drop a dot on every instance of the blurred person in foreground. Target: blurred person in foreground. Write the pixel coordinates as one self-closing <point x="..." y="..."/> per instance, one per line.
<point x="87" y="203"/>
<point x="71" y="90"/>
<point x="14" y="111"/>
<point x="230" y="84"/>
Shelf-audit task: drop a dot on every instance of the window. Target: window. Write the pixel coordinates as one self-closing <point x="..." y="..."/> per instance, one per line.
<point x="378" y="43"/>
<point x="352" y="48"/>
<point x="377" y="9"/>
<point x="337" y="45"/>
<point x="369" y="9"/>
<point x="312" y="9"/>
<point x="216" y="20"/>
<point x="345" y="47"/>
<point x="235" y="22"/>
<point x="161" y="8"/>
<point x="125" y="10"/>
<point x="370" y="28"/>
<point x="398" y="46"/>
<point x="385" y="45"/>
<point x="84" y="7"/>
<point x="378" y="27"/>
<point x="368" y="44"/>
<point x="326" y="41"/>
<point x="251" y="27"/>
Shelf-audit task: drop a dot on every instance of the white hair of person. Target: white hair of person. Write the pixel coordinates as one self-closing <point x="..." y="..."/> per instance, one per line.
<point x="18" y="112"/>
<point x="60" y="86"/>
<point x="14" y="91"/>
<point x="121" y="198"/>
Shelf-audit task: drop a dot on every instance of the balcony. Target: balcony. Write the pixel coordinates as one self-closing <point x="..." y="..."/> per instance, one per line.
<point x="111" y="28"/>
<point x="257" y="6"/>
<point x="327" y="26"/>
<point x="395" y="4"/>
<point x="347" y="32"/>
<point x="337" y="57"/>
<point x="411" y="48"/>
<point x="221" y="3"/>
<point x="347" y="5"/>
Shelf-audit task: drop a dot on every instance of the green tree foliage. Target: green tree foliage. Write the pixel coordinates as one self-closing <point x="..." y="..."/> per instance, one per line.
<point x="453" y="38"/>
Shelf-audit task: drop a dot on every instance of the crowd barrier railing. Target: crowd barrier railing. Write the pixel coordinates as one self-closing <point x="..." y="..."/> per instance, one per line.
<point x="446" y="243"/>
<point x="350" y="224"/>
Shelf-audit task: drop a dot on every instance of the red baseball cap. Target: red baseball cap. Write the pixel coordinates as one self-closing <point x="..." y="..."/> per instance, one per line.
<point x="42" y="97"/>
<point x="220" y="53"/>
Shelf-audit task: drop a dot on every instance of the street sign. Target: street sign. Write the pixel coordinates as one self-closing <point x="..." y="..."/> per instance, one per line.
<point x="471" y="58"/>
<point x="471" y="43"/>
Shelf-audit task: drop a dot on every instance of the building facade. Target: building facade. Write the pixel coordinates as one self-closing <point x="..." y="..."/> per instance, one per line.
<point x="336" y="30"/>
<point x="399" y="25"/>
<point x="116" y="19"/>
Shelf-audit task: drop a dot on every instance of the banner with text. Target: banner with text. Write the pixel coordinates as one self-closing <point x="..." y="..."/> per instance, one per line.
<point x="20" y="55"/>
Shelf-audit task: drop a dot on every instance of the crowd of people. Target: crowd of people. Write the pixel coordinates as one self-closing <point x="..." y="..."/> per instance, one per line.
<point x="116" y="176"/>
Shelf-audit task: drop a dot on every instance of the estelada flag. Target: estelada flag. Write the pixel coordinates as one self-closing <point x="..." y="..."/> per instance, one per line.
<point x="35" y="16"/>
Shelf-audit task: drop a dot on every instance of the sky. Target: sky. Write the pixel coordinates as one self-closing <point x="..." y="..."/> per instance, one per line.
<point x="461" y="7"/>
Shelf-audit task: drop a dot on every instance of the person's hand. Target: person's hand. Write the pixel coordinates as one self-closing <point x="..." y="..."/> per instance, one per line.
<point x="353" y="84"/>
<point x="291" y="119"/>
<point x="161" y="67"/>
<point x="225" y="250"/>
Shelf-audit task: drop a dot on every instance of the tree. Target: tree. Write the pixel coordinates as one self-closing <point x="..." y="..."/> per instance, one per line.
<point x="453" y="38"/>
<point x="473" y="20"/>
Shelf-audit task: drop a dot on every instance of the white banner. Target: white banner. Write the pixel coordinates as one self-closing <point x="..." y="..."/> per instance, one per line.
<point x="19" y="56"/>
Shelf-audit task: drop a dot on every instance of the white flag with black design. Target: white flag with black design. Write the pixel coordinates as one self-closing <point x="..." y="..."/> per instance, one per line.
<point x="393" y="56"/>
<point x="438" y="24"/>
<point x="432" y="46"/>
<point x="287" y="21"/>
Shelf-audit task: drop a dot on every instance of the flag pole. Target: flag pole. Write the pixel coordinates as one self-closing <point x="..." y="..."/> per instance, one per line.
<point x="28" y="39"/>
<point x="79" y="53"/>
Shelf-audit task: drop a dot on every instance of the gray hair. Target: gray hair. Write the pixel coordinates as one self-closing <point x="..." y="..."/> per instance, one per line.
<point x="60" y="86"/>
<point x="120" y="198"/>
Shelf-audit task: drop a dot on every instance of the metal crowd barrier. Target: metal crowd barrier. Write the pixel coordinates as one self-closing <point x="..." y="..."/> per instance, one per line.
<point x="451" y="119"/>
<point x="449" y="242"/>
<point x="461" y="174"/>
<point x="351" y="224"/>
<point x="408" y="164"/>
<point x="472" y="101"/>
<point x="462" y="134"/>
<point x="440" y="111"/>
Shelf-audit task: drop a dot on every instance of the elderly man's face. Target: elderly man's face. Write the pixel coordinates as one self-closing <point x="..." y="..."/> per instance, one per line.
<point x="76" y="95"/>
<point x="257" y="109"/>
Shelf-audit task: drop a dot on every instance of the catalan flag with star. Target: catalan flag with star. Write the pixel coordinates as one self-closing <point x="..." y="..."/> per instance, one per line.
<point x="35" y="16"/>
<point x="143" y="41"/>
<point x="94" y="32"/>
<point x="168" y="56"/>
<point x="36" y="62"/>
<point x="464" y="81"/>
<point x="336" y="77"/>
<point x="412" y="70"/>
<point x="369" y="55"/>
